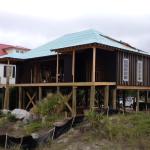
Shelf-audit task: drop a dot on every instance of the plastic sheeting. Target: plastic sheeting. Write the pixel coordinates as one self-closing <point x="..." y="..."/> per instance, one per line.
<point x="29" y="143"/>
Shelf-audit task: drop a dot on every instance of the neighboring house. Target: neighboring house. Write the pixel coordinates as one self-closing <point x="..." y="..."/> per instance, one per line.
<point x="9" y="49"/>
<point x="86" y="60"/>
<point x="6" y="50"/>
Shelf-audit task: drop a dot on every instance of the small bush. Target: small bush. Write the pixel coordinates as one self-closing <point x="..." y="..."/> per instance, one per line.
<point x="94" y="117"/>
<point x="52" y="104"/>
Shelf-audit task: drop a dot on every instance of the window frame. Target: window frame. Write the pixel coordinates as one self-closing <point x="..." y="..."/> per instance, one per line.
<point x="138" y="73"/>
<point x="125" y="79"/>
<point x="12" y="73"/>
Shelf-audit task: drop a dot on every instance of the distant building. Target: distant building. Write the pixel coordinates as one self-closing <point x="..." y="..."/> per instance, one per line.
<point x="9" y="49"/>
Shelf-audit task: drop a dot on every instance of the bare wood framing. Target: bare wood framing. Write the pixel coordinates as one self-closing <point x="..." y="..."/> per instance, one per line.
<point x="6" y="98"/>
<point x="133" y="87"/>
<point x="73" y="65"/>
<point x="63" y="84"/>
<point x="93" y="64"/>
<point x="31" y="98"/>
<point x="57" y="67"/>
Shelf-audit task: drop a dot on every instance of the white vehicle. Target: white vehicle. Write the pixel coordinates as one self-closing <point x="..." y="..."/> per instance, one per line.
<point x="7" y="70"/>
<point x="128" y="101"/>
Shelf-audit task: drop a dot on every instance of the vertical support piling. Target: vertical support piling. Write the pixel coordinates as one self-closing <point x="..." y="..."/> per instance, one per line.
<point x="106" y="96"/>
<point x="6" y="98"/>
<point x="137" y="100"/>
<point x="74" y="100"/>
<point x="114" y="93"/>
<point x="20" y="97"/>
<point x="40" y="93"/>
<point x="57" y="71"/>
<point x="92" y="97"/>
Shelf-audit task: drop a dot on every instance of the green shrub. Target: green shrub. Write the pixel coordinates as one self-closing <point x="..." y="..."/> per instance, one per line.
<point x="33" y="127"/>
<point x="94" y="117"/>
<point x="50" y="105"/>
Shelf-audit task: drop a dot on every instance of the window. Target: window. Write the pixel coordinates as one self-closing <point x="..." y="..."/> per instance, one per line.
<point x="125" y="69"/>
<point x="139" y="71"/>
<point x="10" y="71"/>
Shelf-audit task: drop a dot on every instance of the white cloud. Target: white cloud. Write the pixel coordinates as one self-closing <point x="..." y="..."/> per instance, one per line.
<point x="67" y="9"/>
<point x="34" y="22"/>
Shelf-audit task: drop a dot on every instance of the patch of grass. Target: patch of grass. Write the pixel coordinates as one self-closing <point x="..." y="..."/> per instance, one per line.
<point x="3" y="121"/>
<point x="118" y="127"/>
<point x="33" y="127"/>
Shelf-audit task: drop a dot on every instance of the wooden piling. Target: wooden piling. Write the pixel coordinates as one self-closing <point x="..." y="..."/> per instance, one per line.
<point x="20" y="97"/>
<point x="92" y="97"/>
<point x="74" y="103"/>
<point x="137" y="100"/>
<point x="114" y="97"/>
<point x="6" y="98"/>
<point x="106" y="96"/>
<point x="40" y="93"/>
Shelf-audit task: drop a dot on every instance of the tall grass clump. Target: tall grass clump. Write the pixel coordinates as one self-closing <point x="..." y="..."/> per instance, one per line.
<point x="120" y="127"/>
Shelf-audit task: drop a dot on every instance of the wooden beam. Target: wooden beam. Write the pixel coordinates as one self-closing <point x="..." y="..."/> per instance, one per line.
<point x="73" y="65"/>
<point x="74" y="92"/>
<point x="137" y="100"/>
<point x="92" y="97"/>
<point x="133" y="87"/>
<point x="93" y="64"/>
<point x="40" y="93"/>
<point x="106" y="96"/>
<point x="114" y="97"/>
<point x="20" y="97"/>
<point x="67" y="84"/>
<point x="31" y="98"/>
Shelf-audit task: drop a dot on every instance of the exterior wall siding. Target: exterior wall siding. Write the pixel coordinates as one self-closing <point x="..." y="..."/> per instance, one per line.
<point x="133" y="58"/>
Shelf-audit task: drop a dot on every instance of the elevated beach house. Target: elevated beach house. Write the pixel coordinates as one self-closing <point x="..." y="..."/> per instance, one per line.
<point x="100" y="66"/>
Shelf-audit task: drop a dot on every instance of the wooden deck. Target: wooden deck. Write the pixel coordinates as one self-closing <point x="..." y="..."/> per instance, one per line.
<point x="69" y="84"/>
<point x="120" y="87"/>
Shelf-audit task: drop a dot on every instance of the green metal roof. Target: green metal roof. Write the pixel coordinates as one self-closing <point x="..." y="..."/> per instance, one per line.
<point x="75" y="39"/>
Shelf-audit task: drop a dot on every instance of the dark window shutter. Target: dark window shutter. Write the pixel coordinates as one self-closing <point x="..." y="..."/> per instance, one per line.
<point x="13" y="75"/>
<point x="4" y="71"/>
